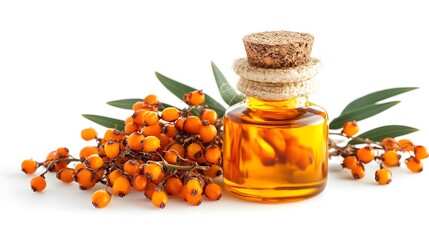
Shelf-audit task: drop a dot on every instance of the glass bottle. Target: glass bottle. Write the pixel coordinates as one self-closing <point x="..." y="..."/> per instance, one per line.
<point x="275" y="146"/>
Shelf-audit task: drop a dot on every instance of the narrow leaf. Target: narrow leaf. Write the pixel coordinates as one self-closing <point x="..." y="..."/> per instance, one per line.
<point x="375" y="97"/>
<point x="124" y="103"/>
<point x="106" y="121"/>
<point x="180" y="89"/>
<point x="378" y="134"/>
<point x="228" y="93"/>
<point x="360" y="114"/>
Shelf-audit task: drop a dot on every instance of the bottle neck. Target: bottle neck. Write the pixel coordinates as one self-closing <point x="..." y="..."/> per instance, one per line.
<point x="290" y="103"/>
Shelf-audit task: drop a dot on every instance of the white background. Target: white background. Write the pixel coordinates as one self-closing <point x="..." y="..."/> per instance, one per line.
<point x="59" y="59"/>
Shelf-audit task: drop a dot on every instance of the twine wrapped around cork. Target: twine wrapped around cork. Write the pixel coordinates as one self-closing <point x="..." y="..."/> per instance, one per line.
<point x="278" y="65"/>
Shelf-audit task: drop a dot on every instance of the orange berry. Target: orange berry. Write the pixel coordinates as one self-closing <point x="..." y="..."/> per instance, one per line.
<point x="209" y="115"/>
<point x="112" y="149"/>
<point x="213" y="171"/>
<point x="350" y="128"/>
<point x="113" y="175"/>
<point x="151" y="99"/>
<point x="150" y="189"/>
<point x="213" y="191"/>
<point x="194" y="151"/>
<point x="173" y="186"/>
<point x="170" y="114"/>
<point x="170" y="130"/>
<point x="349" y="162"/>
<point x="406" y="145"/>
<point x="383" y="176"/>
<point x="66" y="175"/>
<point x="420" y="152"/>
<point x="180" y="122"/>
<point x="192" y="124"/>
<point x="135" y="141"/>
<point x="87" y="151"/>
<point x="94" y="161"/>
<point x="208" y="132"/>
<point x="138" y="117"/>
<point x="194" y="187"/>
<point x="79" y="166"/>
<point x="414" y="165"/>
<point x="390" y="158"/>
<point x="150" y="118"/>
<point x="171" y="156"/>
<point x="159" y="198"/>
<point x="358" y="171"/>
<point x="132" y="127"/>
<point x="152" y="171"/>
<point x="98" y="174"/>
<point x="113" y="134"/>
<point x="29" y="166"/>
<point x="194" y="98"/>
<point x="88" y="134"/>
<point x="60" y="165"/>
<point x="179" y="148"/>
<point x="165" y="140"/>
<point x="131" y="167"/>
<point x="100" y="198"/>
<point x="84" y="178"/>
<point x="129" y="120"/>
<point x="138" y="106"/>
<point x="365" y="154"/>
<point x="390" y="144"/>
<point x="154" y="130"/>
<point x="213" y="154"/>
<point x="139" y="182"/>
<point x="194" y="200"/>
<point x="62" y="153"/>
<point x="151" y="143"/>
<point x="121" y="187"/>
<point x="38" y="183"/>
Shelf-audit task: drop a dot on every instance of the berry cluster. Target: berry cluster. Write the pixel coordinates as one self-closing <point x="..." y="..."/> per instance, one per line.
<point x="162" y="152"/>
<point x="387" y="153"/>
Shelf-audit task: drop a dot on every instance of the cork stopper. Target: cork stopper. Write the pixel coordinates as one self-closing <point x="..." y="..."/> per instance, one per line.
<point x="278" y="49"/>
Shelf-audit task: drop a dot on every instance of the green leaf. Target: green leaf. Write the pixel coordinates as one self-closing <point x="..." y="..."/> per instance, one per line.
<point x="375" y="97"/>
<point x="360" y="114"/>
<point x="124" y="103"/>
<point x="106" y="121"/>
<point x="228" y="93"/>
<point x="180" y="89"/>
<point x="378" y="134"/>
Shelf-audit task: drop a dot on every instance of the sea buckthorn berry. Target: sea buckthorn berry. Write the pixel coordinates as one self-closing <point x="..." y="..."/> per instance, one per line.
<point x="213" y="191"/>
<point x="84" y="177"/>
<point x="208" y="132"/>
<point x="52" y="156"/>
<point x="420" y="152"/>
<point x="358" y="171"/>
<point x="173" y="186"/>
<point x="38" y="183"/>
<point x="349" y="162"/>
<point x="113" y="134"/>
<point x="390" y="158"/>
<point x="170" y="130"/>
<point x="29" y="166"/>
<point x="62" y="153"/>
<point x="138" y="106"/>
<point x="129" y="120"/>
<point x="87" y="151"/>
<point x="121" y="187"/>
<point x="209" y="115"/>
<point x="138" y="117"/>
<point x="154" y="130"/>
<point x="194" y="187"/>
<point x="152" y="171"/>
<point x="98" y="174"/>
<point x="79" y="166"/>
<point x="194" y="151"/>
<point x="88" y="134"/>
<point x="139" y="182"/>
<point x="365" y="154"/>
<point x="60" y="165"/>
<point x="151" y="143"/>
<point x="213" y="154"/>
<point x="113" y="175"/>
<point x="406" y="145"/>
<point x="151" y="99"/>
<point x="194" y="98"/>
<point x="390" y="144"/>
<point x="100" y="198"/>
<point x="194" y="200"/>
<point x="383" y="176"/>
<point x="112" y="149"/>
<point x="94" y="161"/>
<point x="165" y="140"/>
<point x="132" y="127"/>
<point x="213" y="171"/>
<point x="66" y="175"/>
<point x="180" y="122"/>
<point x="135" y="141"/>
<point x="414" y="165"/>
<point x="179" y="148"/>
<point x="150" y="188"/>
<point x="131" y="167"/>
<point x="150" y="118"/>
<point x="159" y="198"/>
<point x="171" y="156"/>
<point x="350" y="128"/>
<point x="192" y="124"/>
<point x="170" y="114"/>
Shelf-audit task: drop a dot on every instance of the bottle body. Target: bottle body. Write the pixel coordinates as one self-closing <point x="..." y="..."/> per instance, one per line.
<point x="275" y="151"/>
